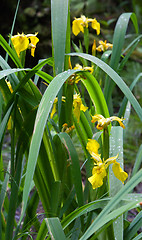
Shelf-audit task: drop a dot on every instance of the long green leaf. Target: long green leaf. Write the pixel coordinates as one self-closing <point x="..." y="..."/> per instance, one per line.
<point x="55" y="229"/>
<point x="116" y="147"/>
<point x="116" y="78"/>
<point x="95" y="93"/>
<point x="5" y="73"/>
<point x="137" y="162"/>
<point x="118" y="42"/>
<point x="76" y="174"/>
<point x="59" y="16"/>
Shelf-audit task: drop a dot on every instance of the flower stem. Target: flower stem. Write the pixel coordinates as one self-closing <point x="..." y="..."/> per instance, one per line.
<point x="105" y="143"/>
<point x="86" y="39"/>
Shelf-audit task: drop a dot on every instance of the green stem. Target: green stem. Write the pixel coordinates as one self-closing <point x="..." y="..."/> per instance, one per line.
<point x="86" y="39"/>
<point x="105" y="143"/>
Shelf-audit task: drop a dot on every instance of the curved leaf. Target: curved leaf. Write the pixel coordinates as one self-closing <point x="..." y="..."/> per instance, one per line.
<point x="116" y="78"/>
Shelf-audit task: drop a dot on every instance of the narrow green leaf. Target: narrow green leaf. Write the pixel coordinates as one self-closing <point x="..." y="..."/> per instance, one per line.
<point x="42" y="231"/>
<point x="55" y="229"/>
<point x="76" y="174"/>
<point x="95" y="93"/>
<point x="5" y="73"/>
<point x="118" y="42"/>
<point x="116" y="147"/>
<point x="59" y="16"/>
<point x="116" y="78"/>
<point x="4" y="122"/>
<point x="125" y="100"/>
<point x="138" y="237"/>
<point x="137" y="162"/>
<point x="134" y="226"/>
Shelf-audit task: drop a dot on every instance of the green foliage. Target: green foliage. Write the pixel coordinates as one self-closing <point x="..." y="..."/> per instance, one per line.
<point x="45" y="164"/>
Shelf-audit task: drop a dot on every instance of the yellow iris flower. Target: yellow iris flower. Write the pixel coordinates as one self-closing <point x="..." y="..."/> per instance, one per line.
<point x="100" y="166"/>
<point x="79" y="24"/>
<point x="104" y="122"/>
<point x="78" y="106"/>
<point x="75" y="78"/>
<point x="104" y="46"/>
<point x="55" y="106"/>
<point x="21" y="42"/>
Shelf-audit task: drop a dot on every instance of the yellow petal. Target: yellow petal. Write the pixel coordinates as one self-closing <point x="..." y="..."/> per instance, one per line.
<point x="96" y="26"/>
<point x="77" y="26"/>
<point x="118" y="172"/>
<point x="91" y="69"/>
<point x="20" y="43"/>
<point x="34" y="40"/>
<point x="78" y="66"/>
<point x="97" y="117"/>
<point x="53" y="110"/>
<point x="77" y="102"/>
<point x="92" y="146"/>
<point x="83" y="108"/>
<point x="96" y="179"/>
<point x="76" y="112"/>
<point x="113" y="118"/>
<point x="110" y="161"/>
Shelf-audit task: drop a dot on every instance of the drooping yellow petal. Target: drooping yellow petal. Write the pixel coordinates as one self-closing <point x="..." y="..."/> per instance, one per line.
<point x="78" y="106"/>
<point x="96" y="25"/>
<point x="33" y="42"/>
<point x="113" y="118"/>
<point x="20" y="42"/>
<point x="118" y="172"/>
<point x="96" y="179"/>
<point x="77" y="26"/>
<point x="92" y="146"/>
